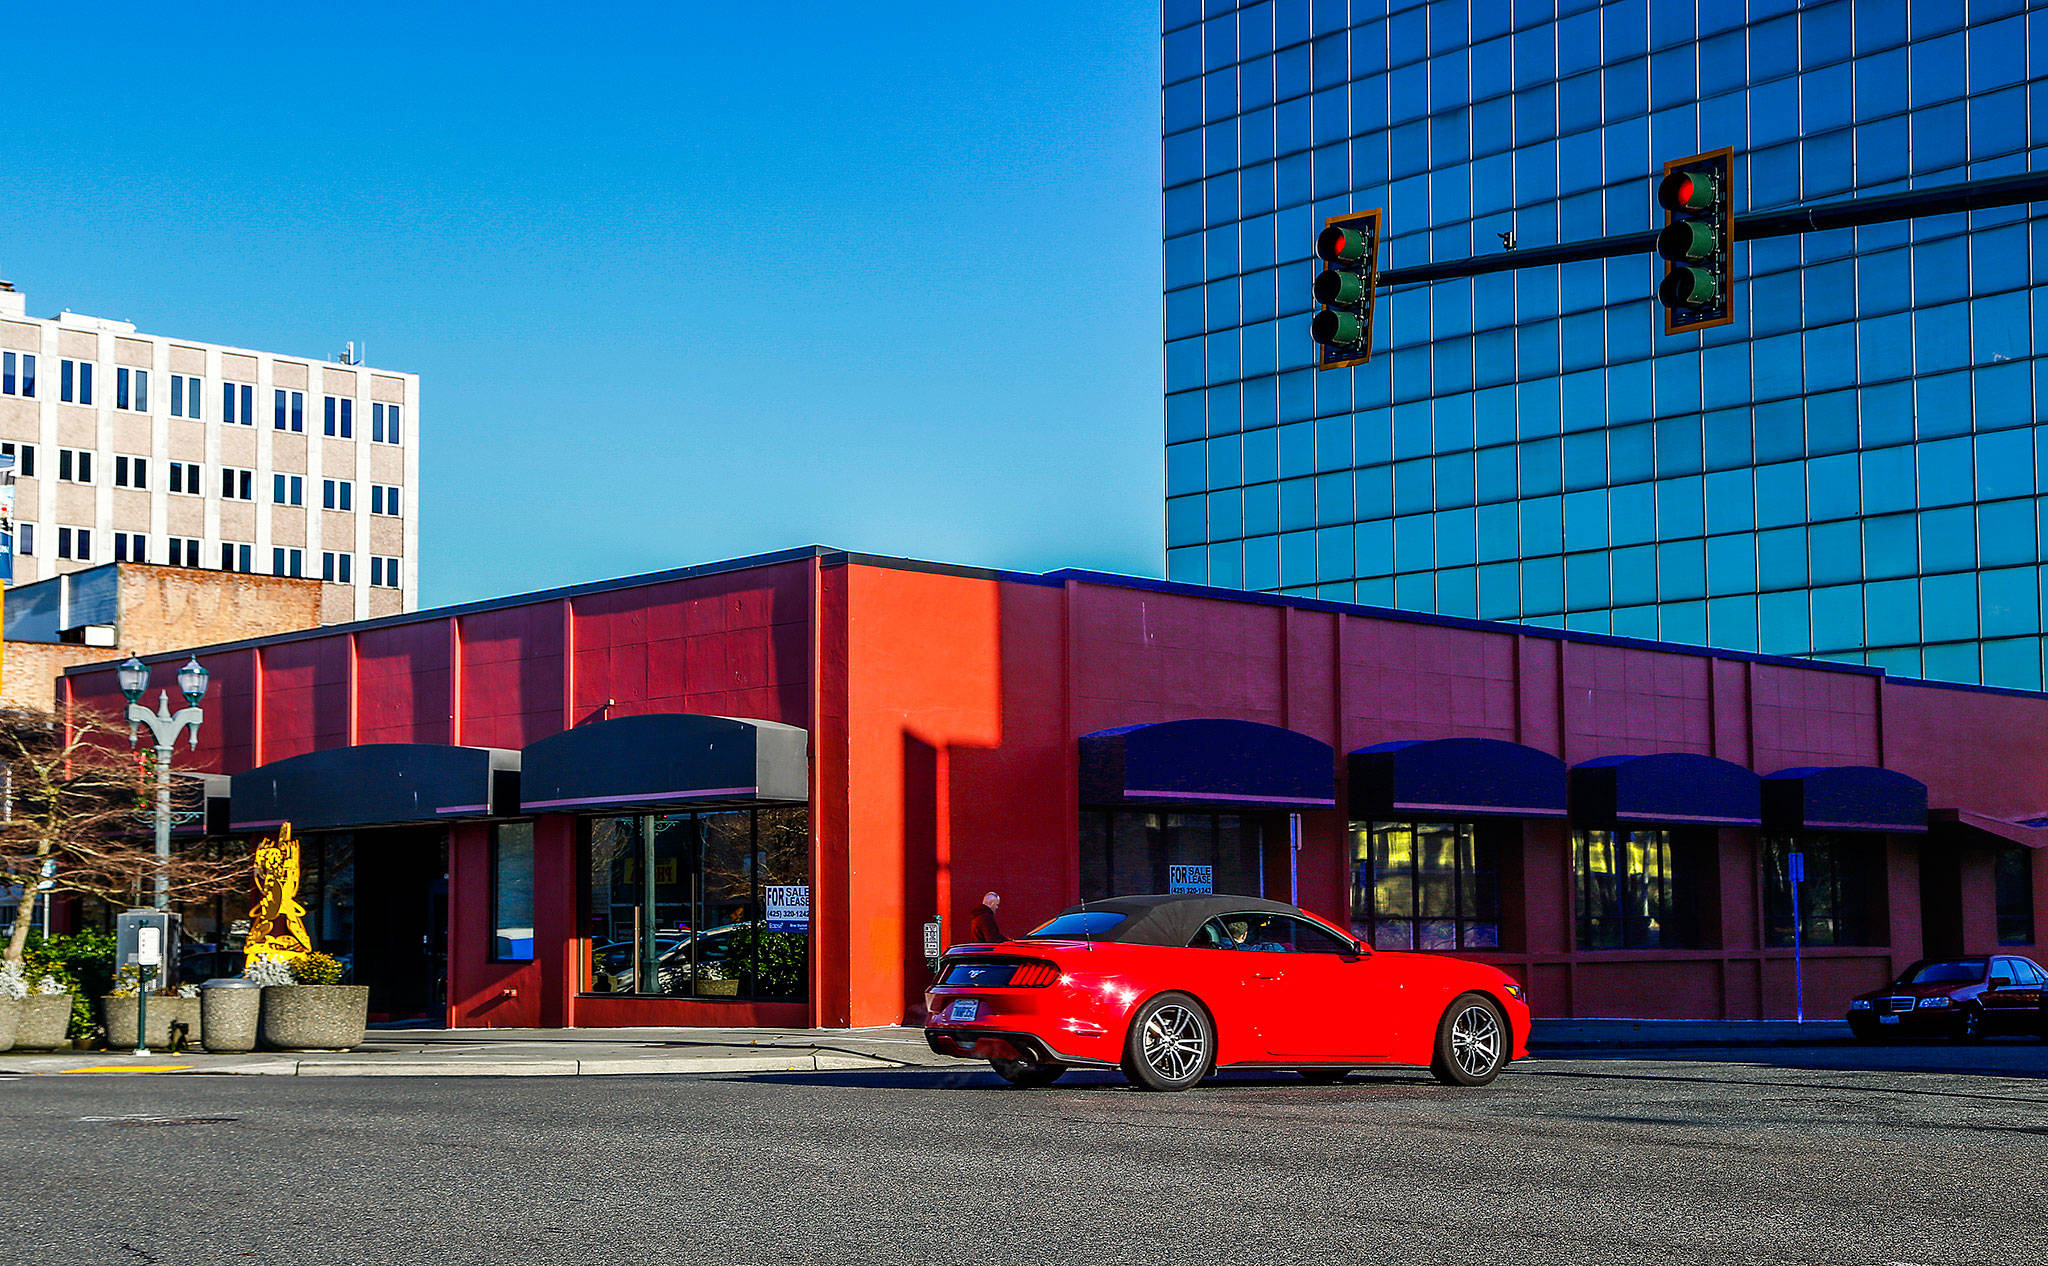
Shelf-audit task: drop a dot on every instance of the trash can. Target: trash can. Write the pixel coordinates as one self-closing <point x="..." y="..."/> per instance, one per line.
<point x="229" y="1007"/>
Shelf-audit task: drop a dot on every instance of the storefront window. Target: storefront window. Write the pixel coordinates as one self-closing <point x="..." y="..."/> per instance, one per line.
<point x="1125" y="853"/>
<point x="1424" y="885"/>
<point x="701" y="905"/>
<point x="512" y="892"/>
<point x="2014" y="870"/>
<point x="1835" y="901"/>
<point x="1635" y="891"/>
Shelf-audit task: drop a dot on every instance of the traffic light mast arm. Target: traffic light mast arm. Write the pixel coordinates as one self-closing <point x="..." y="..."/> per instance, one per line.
<point x="1969" y="195"/>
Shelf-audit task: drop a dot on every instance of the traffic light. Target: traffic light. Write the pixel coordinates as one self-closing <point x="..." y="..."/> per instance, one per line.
<point x="1697" y="242"/>
<point x="1349" y="247"/>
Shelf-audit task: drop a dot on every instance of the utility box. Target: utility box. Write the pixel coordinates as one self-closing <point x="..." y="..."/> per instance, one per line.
<point x="128" y="927"/>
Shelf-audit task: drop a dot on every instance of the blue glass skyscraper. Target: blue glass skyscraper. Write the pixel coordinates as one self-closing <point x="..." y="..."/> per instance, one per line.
<point x="1850" y="469"/>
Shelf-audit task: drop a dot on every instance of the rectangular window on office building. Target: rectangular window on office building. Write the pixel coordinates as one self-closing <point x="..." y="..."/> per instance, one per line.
<point x="1637" y="889"/>
<point x="336" y="568"/>
<point x="183" y="551"/>
<point x="383" y="499"/>
<point x="185" y="478"/>
<point x="131" y="472"/>
<point x="288" y="490"/>
<point x="131" y="389"/>
<point x="237" y="484"/>
<point x="131" y="547"/>
<point x="25" y="538"/>
<point x="75" y="543"/>
<point x="341" y="417"/>
<point x="24" y="456"/>
<point x="287" y="562"/>
<point x="236" y="557"/>
<point x="384" y="423"/>
<point x="337" y="494"/>
<point x="185" y="396"/>
<point x="238" y="403"/>
<point x="17" y="374"/>
<point x="74" y="465"/>
<point x="74" y="381"/>
<point x="290" y="410"/>
<point x="383" y="572"/>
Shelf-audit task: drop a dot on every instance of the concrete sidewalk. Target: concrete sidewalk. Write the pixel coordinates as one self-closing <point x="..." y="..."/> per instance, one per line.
<point x="644" y="1052"/>
<point x="526" y="1053"/>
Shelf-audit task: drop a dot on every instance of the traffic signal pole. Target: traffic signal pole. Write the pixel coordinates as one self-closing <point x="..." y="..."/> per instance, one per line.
<point x="1846" y="213"/>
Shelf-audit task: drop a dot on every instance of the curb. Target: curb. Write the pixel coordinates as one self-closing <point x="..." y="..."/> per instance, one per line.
<point x="685" y="1065"/>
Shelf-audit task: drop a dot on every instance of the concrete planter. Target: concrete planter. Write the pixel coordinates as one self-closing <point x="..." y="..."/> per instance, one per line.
<point x="315" y="1017"/>
<point x="167" y="1017"/>
<point x="10" y="1020"/>
<point x="45" y="1019"/>
<point x="228" y="1015"/>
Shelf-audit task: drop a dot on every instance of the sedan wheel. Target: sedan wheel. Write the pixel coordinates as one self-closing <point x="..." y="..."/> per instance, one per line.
<point x="1022" y="1072"/>
<point x="1171" y="1044"/>
<point x="1472" y="1042"/>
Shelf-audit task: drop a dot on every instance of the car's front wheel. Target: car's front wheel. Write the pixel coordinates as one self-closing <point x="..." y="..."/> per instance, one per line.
<point x="1022" y="1072"/>
<point x="1171" y="1044"/>
<point x="1970" y="1025"/>
<point x="1472" y="1042"/>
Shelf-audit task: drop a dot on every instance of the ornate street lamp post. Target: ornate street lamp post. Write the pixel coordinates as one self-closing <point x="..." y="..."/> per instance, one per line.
<point x="165" y="725"/>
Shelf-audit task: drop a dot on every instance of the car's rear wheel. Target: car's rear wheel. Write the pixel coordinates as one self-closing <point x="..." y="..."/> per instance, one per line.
<point x="1323" y="1076"/>
<point x="1171" y="1044"/>
<point x="1022" y="1072"/>
<point x="1472" y="1042"/>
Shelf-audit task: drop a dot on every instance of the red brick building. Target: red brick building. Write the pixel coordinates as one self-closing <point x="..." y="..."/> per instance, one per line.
<point x="737" y="793"/>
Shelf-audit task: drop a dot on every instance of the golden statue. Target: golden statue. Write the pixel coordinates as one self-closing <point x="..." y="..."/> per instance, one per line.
<point x="277" y="926"/>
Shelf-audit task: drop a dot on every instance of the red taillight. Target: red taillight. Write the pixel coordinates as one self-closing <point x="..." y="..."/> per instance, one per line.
<point x="1034" y="975"/>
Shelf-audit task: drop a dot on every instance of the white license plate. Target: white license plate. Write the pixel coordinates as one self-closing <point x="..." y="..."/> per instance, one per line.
<point x="965" y="1009"/>
<point x="1887" y="1019"/>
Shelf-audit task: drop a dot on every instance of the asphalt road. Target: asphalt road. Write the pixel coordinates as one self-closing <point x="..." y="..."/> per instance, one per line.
<point x="1672" y="1158"/>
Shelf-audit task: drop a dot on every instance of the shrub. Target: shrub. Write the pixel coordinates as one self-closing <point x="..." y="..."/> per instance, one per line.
<point x="268" y="971"/>
<point x="317" y="969"/>
<point x="78" y="963"/>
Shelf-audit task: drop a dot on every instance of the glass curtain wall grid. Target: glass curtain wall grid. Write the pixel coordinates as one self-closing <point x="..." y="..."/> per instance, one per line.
<point x="1850" y="470"/>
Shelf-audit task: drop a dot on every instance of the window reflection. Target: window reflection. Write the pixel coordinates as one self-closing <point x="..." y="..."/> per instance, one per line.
<point x="708" y="905"/>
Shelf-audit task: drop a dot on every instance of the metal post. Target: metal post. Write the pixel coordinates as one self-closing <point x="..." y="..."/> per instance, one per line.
<point x="1294" y="859"/>
<point x="163" y="818"/>
<point x="1795" y="870"/>
<point x="143" y="977"/>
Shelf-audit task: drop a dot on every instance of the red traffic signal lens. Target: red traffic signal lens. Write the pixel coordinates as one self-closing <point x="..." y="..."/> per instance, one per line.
<point x="1341" y="245"/>
<point x="1693" y="191"/>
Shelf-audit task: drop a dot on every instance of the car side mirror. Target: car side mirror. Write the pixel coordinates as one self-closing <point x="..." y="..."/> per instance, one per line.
<point x="1361" y="949"/>
<point x="2001" y="982"/>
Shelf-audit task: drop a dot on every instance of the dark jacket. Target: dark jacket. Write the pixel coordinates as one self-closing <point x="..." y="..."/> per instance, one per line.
<point x="981" y="927"/>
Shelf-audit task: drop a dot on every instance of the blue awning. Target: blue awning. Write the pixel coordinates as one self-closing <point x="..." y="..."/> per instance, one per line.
<point x="375" y="784"/>
<point x="666" y="760"/>
<point x="1668" y="789"/>
<point x="1456" y="777"/>
<point x="1211" y="763"/>
<point x="1844" y="798"/>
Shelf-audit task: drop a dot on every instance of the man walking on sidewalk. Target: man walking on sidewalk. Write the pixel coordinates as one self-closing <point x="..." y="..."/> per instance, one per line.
<point x="981" y="925"/>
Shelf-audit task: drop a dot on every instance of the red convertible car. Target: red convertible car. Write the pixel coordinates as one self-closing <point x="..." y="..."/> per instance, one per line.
<point x="1171" y="988"/>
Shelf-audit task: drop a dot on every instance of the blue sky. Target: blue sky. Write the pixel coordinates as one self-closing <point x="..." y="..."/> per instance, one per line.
<point x="682" y="281"/>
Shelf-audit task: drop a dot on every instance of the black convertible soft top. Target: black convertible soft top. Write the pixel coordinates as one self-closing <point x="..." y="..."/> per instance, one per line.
<point x="1171" y="918"/>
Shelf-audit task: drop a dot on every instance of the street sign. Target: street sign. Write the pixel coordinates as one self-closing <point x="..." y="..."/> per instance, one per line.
<point x="149" y="946"/>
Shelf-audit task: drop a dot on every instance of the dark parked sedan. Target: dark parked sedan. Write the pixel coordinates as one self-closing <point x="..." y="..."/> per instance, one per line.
<point x="1965" y="998"/>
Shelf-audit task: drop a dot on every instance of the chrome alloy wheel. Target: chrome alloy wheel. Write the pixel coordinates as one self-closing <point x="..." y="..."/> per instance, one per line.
<point x="1174" y="1043"/>
<point x="1476" y="1040"/>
